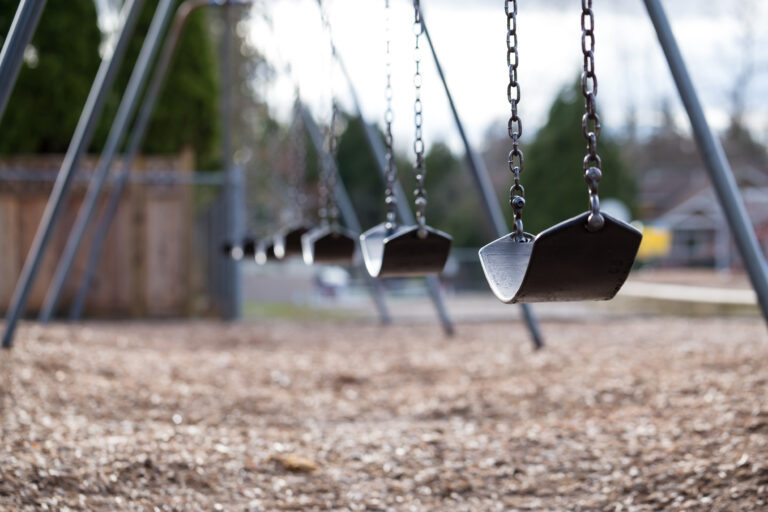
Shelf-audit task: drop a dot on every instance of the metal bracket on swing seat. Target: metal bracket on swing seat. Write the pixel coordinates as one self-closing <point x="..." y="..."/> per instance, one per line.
<point x="326" y="244"/>
<point x="401" y="252"/>
<point x="563" y="263"/>
<point x="265" y="252"/>
<point x="288" y="241"/>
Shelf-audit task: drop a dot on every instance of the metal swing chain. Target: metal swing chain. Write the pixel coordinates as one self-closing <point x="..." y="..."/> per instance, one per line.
<point x="298" y="148"/>
<point x="391" y="173"/>
<point x="329" y="211"/>
<point x="515" y="158"/>
<point x="419" y="170"/>
<point x="592" y="163"/>
<point x="330" y="176"/>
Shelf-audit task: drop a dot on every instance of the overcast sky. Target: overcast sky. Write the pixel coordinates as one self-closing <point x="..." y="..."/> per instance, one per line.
<point x="470" y="41"/>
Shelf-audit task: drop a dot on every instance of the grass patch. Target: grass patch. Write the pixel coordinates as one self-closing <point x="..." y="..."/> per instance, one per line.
<point x="290" y="311"/>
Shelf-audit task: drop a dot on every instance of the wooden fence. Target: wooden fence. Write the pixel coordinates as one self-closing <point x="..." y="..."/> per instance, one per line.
<point x="146" y="268"/>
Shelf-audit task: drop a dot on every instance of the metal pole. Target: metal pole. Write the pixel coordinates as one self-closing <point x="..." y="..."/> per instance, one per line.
<point x="79" y="143"/>
<point x="16" y="41"/>
<point x="403" y="210"/>
<point x="716" y="162"/>
<point x="134" y="144"/>
<point x="124" y="113"/>
<point x="232" y="303"/>
<point x="483" y="183"/>
<point x="347" y="211"/>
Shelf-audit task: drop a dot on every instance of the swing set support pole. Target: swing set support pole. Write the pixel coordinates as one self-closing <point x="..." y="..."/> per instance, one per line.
<point x="482" y="183"/>
<point x="116" y="133"/>
<point x="403" y="210"/>
<point x="81" y="139"/>
<point x="346" y="208"/>
<point x="16" y="41"/>
<point x="137" y="134"/>
<point x="720" y="173"/>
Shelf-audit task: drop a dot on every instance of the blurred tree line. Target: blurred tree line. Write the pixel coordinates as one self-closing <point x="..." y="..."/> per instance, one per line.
<point x="61" y="63"/>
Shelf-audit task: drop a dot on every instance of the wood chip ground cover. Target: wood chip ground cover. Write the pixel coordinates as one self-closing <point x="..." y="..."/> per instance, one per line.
<point x="640" y="414"/>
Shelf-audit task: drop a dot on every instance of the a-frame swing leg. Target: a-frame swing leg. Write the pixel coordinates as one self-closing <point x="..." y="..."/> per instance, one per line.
<point x="138" y="131"/>
<point x="482" y="182"/>
<point x="403" y="210"/>
<point x="117" y="131"/>
<point x="717" y="165"/>
<point x="346" y="209"/>
<point x="77" y="146"/>
<point x="16" y="41"/>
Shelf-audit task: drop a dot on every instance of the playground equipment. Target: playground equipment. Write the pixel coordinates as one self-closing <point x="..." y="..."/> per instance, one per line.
<point x="329" y="242"/>
<point x="530" y="286"/>
<point x="587" y="257"/>
<point x="287" y="241"/>
<point x="390" y="250"/>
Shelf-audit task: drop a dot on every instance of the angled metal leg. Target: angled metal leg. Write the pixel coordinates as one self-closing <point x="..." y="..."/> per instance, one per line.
<point x="403" y="210"/>
<point x="138" y="132"/>
<point x="117" y="131"/>
<point x="483" y="184"/>
<point x="347" y="211"/>
<point x="16" y="41"/>
<point x="711" y="150"/>
<point x="80" y="141"/>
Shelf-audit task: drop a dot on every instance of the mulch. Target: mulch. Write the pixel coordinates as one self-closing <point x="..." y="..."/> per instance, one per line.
<point x="617" y="415"/>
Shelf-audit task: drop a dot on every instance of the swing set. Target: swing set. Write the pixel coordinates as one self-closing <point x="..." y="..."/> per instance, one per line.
<point x="587" y="257"/>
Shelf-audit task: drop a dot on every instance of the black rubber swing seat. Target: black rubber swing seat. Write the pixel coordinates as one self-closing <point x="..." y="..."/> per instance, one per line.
<point x="563" y="263"/>
<point x="401" y="252"/>
<point x="325" y="244"/>
<point x="249" y="248"/>
<point x="288" y="241"/>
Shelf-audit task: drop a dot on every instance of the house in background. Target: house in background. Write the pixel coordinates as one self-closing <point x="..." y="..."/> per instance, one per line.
<point x="675" y="192"/>
<point x="700" y="234"/>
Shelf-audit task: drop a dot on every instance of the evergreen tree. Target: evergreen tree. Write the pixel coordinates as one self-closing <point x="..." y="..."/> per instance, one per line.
<point x="360" y="173"/>
<point x="453" y="204"/>
<point x="55" y="78"/>
<point x="62" y="61"/>
<point x="553" y="177"/>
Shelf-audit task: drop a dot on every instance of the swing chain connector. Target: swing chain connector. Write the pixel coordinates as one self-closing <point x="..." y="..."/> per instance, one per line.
<point x="419" y="170"/>
<point x="390" y="199"/>
<point x="515" y="158"/>
<point x="590" y="122"/>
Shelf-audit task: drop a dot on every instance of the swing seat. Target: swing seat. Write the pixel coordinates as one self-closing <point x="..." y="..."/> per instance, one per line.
<point x="563" y="263"/>
<point x="324" y="244"/>
<point x="402" y="253"/>
<point x="249" y="248"/>
<point x="288" y="241"/>
<point x="265" y="252"/>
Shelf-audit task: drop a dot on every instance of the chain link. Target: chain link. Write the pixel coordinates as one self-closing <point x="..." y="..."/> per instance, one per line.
<point x="419" y="170"/>
<point x="590" y="122"/>
<point x="331" y="208"/>
<point x="391" y="172"/>
<point x="515" y="159"/>
<point x="329" y="211"/>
